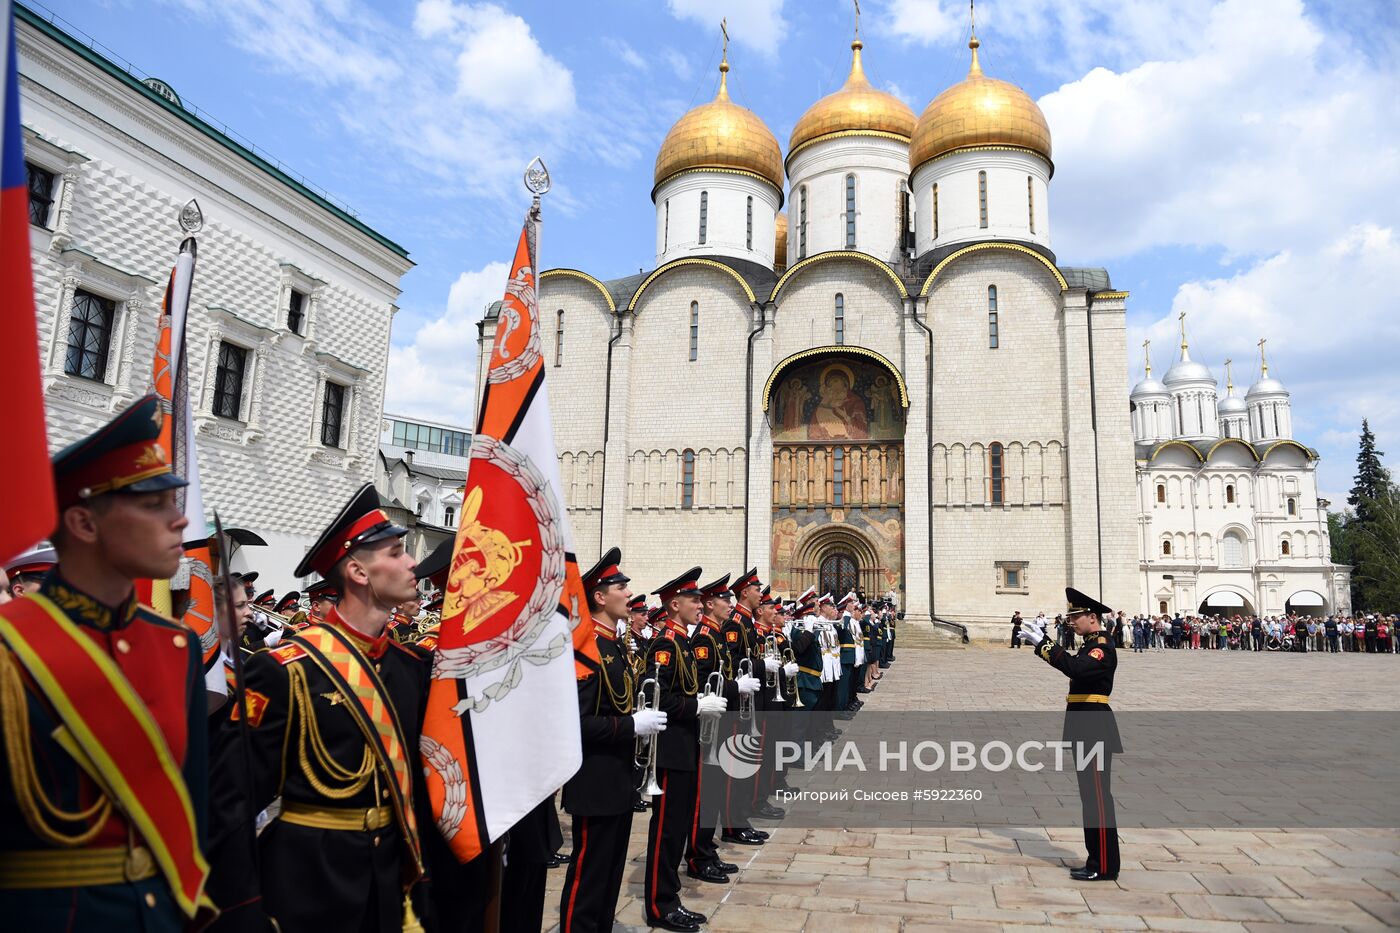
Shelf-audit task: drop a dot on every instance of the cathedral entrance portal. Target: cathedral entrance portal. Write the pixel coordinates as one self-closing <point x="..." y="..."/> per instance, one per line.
<point x="839" y="574"/>
<point x="837" y="420"/>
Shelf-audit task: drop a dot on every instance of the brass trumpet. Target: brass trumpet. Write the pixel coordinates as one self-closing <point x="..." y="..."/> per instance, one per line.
<point x="746" y="699"/>
<point x="644" y="755"/>
<point x="775" y="677"/>
<point x="709" y="725"/>
<point x="789" y="657"/>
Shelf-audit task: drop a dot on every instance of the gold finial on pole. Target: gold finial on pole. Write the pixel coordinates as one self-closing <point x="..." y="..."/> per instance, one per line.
<point x="724" y="62"/>
<point x="1263" y="360"/>
<point x="973" y="43"/>
<point x="1147" y="356"/>
<point x="1229" y="378"/>
<point x="1182" y="318"/>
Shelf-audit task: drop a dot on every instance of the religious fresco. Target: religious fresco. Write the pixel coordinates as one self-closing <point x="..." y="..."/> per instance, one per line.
<point x="792" y="528"/>
<point x="837" y="400"/>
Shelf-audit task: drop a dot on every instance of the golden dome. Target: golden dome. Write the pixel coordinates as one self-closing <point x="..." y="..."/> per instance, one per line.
<point x="980" y="111"/>
<point x="780" y="243"/>
<point x="721" y="135"/>
<point x="856" y="108"/>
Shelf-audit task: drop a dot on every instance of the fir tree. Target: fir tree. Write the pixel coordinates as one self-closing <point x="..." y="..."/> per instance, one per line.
<point x="1372" y="479"/>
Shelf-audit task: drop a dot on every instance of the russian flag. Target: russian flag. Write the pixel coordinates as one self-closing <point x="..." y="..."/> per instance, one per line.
<point x="30" y="509"/>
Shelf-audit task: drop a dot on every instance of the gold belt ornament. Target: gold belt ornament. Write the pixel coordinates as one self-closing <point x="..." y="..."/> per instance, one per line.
<point x="1087" y="698"/>
<point x="74" y="868"/>
<point x="356" y="819"/>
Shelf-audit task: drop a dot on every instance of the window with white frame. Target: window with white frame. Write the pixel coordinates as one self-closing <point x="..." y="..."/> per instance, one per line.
<point x="332" y="414"/>
<point x="1011" y="576"/>
<point x="228" y="380"/>
<point x="91" y="322"/>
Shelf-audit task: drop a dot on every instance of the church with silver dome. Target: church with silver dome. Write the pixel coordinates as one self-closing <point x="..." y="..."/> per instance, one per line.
<point x="857" y="362"/>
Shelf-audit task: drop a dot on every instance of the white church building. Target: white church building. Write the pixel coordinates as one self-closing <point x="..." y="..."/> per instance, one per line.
<point x="859" y="362"/>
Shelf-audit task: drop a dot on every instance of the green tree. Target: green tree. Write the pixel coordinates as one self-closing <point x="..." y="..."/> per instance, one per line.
<point x="1372" y="478"/>
<point x="1376" y="548"/>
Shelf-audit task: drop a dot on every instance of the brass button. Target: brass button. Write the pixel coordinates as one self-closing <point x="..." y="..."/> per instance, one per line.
<point x="150" y="899"/>
<point x="376" y="839"/>
<point x="181" y="641"/>
<point x="384" y="794"/>
<point x="123" y="646"/>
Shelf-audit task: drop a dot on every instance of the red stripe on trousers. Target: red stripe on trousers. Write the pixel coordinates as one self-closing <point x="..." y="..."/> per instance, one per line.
<point x="1103" y="831"/>
<point x="656" y="861"/>
<point x="578" y="871"/>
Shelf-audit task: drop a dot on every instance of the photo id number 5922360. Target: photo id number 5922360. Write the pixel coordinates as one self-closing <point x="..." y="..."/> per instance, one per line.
<point x="947" y="794"/>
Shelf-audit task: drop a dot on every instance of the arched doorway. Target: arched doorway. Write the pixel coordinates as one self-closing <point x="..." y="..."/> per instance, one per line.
<point x="837" y="420"/>
<point x="1306" y="603"/>
<point x="1226" y="602"/>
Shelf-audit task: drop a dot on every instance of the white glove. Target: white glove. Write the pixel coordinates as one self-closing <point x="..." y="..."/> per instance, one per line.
<point x="1032" y="634"/>
<point x="747" y="685"/>
<point x="647" y="722"/>
<point x="790" y="669"/>
<point x="771" y="665"/>
<point x="712" y="706"/>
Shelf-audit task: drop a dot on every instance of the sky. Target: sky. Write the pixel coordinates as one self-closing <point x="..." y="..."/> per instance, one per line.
<point x="1238" y="160"/>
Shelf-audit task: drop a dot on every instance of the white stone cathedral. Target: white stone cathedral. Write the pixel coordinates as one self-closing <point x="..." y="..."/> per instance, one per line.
<point x="893" y="385"/>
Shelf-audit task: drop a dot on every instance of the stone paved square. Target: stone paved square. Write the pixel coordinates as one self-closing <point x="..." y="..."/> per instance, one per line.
<point x="1015" y="878"/>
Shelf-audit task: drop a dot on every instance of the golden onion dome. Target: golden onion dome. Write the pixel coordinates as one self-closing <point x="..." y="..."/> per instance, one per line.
<point x="721" y="135"/>
<point x="857" y="108"/>
<point x="979" y="111"/>
<point x="780" y="243"/>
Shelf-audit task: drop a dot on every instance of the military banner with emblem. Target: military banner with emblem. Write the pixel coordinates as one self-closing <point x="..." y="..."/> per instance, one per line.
<point x="501" y="730"/>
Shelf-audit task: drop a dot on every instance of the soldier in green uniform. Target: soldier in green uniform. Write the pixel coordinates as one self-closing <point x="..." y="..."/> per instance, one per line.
<point x="103" y="786"/>
<point x="1088" y="720"/>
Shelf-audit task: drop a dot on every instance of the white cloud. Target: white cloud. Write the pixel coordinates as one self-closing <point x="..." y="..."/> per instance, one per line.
<point x="626" y="54"/>
<point x="757" y="24"/>
<point x="433" y="374"/>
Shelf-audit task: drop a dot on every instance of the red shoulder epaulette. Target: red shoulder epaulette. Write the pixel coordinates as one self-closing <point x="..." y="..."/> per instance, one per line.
<point x="286" y="654"/>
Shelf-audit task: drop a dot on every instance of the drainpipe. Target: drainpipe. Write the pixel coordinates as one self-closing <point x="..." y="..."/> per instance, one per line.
<point x="607" y="405"/>
<point x="1094" y="427"/>
<point x="762" y="312"/>
<point x="928" y="471"/>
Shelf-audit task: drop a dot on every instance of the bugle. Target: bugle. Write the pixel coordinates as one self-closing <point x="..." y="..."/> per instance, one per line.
<point x="746" y="699"/>
<point x="709" y="725"/>
<point x="775" y="676"/>
<point x="644" y="755"/>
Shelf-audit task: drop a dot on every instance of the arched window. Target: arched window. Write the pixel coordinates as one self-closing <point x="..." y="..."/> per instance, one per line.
<point x="1166" y="547"/>
<point x="559" y="337"/>
<point x="688" y="479"/>
<point x="704" y="215"/>
<point x="1277" y="433"/>
<point x="850" y="212"/>
<point x="1161" y="607"/>
<point x="749" y="240"/>
<point x="666" y="227"/>
<point x="838" y="477"/>
<point x="1232" y="550"/>
<point x="694" y="331"/>
<point x="1230" y="493"/>
<point x="1161" y="492"/>
<point x="935" y="210"/>
<point x="1180" y="417"/>
<point x="449" y="516"/>
<point x="802" y="222"/>
<point x="1285" y="548"/>
<point x="993" y="334"/>
<point x="1030" y="201"/>
<point x="1292" y="506"/>
<point x="996" y="492"/>
<point x="982" y="198"/>
<point x="903" y="215"/>
<point x="840" y="319"/>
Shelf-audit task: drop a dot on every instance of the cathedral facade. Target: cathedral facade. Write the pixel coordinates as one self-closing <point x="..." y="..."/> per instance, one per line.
<point x="857" y="363"/>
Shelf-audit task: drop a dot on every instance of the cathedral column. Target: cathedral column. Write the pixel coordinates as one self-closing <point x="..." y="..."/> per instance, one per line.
<point x="614" y="502"/>
<point x="1082" y="538"/>
<point x="1114" y="452"/>
<point x="758" y="449"/>
<point x="917" y="602"/>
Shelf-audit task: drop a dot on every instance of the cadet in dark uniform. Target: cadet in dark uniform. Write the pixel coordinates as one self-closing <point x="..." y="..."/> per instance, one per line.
<point x="125" y="685"/>
<point x="333" y="720"/>
<point x="600" y="795"/>
<point x="671" y="662"/>
<point x="1088" y="719"/>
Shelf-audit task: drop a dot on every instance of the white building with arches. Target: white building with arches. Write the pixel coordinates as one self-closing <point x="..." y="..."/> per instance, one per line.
<point x="1228" y="506"/>
<point x="858" y="362"/>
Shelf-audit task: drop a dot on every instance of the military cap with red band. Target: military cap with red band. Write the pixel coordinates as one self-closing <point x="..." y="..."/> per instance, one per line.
<point x="719" y="587"/>
<point x="124" y="455"/>
<point x="657" y="615"/>
<point x="39" y="559"/>
<point x="637" y="604"/>
<point x="362" y="521"/>
<point x="266" y="598"/>
<point x="687" y="584"/>
<point x="322" y="589"/>
<point x="606" y="571"/>
<point x="807" y="602"/>
<point x="288" y="602"/>
<point x="747" y="580"/>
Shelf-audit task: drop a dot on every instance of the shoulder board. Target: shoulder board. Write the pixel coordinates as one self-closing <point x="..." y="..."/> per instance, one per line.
<point x="286" y="654"/>
<point x="147" y="614"/>
<point x="407" y="648"/>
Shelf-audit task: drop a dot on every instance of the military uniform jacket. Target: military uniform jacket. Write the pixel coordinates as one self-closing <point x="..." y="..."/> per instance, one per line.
<point x="306" y="747"/>
<point x="671" y="661"/>
<point x="161" y="660"/>
<point x="606" y="780"/>
<point x="845" y="637"/>
<point x="807" y="650"/>
<point x="739" y="637"/>
<point x="710" y="657"/>
<point x="1088" y="716"/>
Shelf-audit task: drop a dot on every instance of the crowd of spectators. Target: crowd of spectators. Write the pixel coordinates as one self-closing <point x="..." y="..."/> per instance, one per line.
<point x="1368" y="634"/>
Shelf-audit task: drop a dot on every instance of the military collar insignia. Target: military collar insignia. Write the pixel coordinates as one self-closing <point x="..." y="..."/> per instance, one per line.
<point x="86" y="610"/>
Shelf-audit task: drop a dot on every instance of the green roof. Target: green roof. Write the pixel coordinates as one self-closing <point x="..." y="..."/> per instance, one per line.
<point x="87" y="53"/>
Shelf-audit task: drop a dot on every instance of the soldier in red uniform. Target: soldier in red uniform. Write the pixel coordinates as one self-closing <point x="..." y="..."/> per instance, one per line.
<point x="123" y="688"/>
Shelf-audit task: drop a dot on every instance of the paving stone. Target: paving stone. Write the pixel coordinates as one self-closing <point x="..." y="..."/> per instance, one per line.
<point x="988" y="874"/>
<point x="1238" y="884"/>
<point x="1164" y="882"/>
<point x="950" y="892"/>
<point x="1222" y="907"/>
<point x="738" y="917"/>
<point x="1340" y="913"/>
<point x="1013" y="896"/>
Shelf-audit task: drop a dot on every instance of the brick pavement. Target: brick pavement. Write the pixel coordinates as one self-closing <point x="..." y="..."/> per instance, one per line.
<point x="1004" y="878"/>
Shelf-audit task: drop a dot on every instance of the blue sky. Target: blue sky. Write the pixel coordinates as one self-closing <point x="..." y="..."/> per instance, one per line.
<point x="1236" y="159"/>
